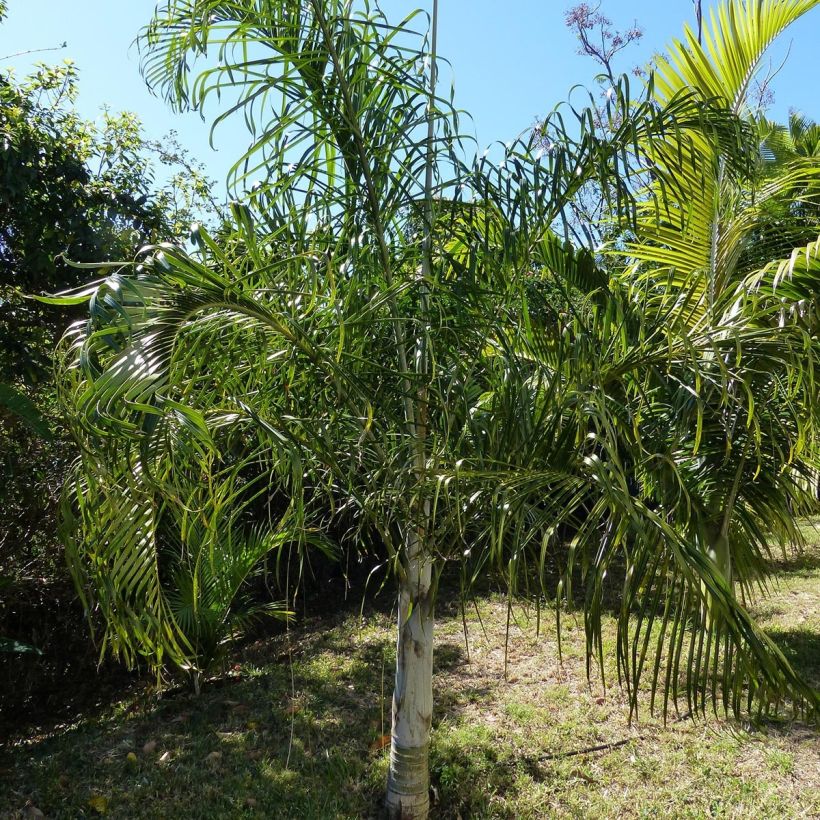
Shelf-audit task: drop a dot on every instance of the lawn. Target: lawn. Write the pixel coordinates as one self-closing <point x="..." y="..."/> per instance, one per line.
<point x="296" y="729"/>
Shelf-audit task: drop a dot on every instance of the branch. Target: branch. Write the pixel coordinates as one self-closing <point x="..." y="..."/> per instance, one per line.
<point x="35" y="51"/>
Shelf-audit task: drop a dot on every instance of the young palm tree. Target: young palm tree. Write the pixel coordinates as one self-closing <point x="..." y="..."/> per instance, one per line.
<point x="397" y="338"/>
<point x="721" y="225"/>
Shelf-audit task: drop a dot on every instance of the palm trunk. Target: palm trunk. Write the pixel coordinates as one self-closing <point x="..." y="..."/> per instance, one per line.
<point x="720" y="552"/>
<point x="408" y="784"/>
<point x="720" y="549"/>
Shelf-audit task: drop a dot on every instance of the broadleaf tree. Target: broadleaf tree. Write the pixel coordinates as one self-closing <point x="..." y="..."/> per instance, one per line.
<point x="71" y="190"/>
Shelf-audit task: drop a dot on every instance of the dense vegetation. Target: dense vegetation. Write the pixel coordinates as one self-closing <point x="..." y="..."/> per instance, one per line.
<point x="70" y="191"/>
<point x="582" y="367"/>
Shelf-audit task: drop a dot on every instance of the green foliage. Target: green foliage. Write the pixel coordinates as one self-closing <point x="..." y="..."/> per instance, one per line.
<point x="478" y="381"/>
<point x="208" y="595"/>
<point x="17" y="647"/>
<point x="722" y="221"/>
<point x="71" y="191"/>
<point x="20" y="406"/>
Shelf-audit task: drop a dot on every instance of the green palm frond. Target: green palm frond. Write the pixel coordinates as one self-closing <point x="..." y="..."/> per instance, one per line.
<point x="735" y="40"/>
<point x="792" y="284"/>
<point x="722" y="219"/>
<point x="434" y="367"/>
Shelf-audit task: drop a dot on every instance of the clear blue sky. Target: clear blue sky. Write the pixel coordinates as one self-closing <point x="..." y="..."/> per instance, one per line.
<point x="513" y="60"/>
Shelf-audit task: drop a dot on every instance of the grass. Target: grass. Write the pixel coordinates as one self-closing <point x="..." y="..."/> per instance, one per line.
<point x="297" y="728"/>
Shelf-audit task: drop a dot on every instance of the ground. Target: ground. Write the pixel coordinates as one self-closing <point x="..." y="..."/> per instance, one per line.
<point x="297" y="729"/>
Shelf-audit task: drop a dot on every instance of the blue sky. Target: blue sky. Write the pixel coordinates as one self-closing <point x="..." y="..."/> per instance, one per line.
<point x="513" y="60"/>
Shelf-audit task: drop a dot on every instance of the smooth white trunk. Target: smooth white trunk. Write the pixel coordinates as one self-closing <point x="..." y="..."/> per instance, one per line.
<point x="408" y="781"/>
<point x="719" y="551"/>
<point x="408" y="784"/>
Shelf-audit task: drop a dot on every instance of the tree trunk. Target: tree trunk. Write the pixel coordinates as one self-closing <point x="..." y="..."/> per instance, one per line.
<point x="720" y="552"/>
<point x="408" y="783"/>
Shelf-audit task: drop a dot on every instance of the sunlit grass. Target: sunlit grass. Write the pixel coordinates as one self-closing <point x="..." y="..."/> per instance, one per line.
<point x="297" y="732"/>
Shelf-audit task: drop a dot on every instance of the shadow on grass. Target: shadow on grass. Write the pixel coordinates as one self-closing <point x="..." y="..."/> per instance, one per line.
<point x="299" y="731"/>
<point x="797" y="564"/>
<point x="801" y="562"/>
<point x="802" y="649"/>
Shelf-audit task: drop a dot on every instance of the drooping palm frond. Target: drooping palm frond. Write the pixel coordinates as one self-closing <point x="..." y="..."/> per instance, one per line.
<point x="668" y="475"/>
<point x="789" y="288"/>
<point x="109" y="534"/>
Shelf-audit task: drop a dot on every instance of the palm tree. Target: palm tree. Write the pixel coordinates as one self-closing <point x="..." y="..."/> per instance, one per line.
<point x="397" y="338"/>
<point x="719" y="220"/>
<point x="721" y="230"/>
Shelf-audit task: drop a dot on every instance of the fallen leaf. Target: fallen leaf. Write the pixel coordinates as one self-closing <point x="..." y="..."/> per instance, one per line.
<point x="33" y="812"/>
<point x="251" y="725"/>
<point x="166" y="756"/>
<point x="131" y="758"/>
<point x="250" y="802"/>
<point x="380" y="743"/>
<point x="214" y="758"/>
<point x="99" y="803"/>
<point x="150" y="747"/>
<point x="600" y="701"/>
<point x="63" y="781"/>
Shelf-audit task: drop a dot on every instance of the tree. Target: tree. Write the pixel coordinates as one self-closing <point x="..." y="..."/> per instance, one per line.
<point x="71" y="191"/>
<point x="596" y="37"/>
<point x="398" y="338"/>
<point x="722" y="226"/>
<point x="719" y="207"/>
